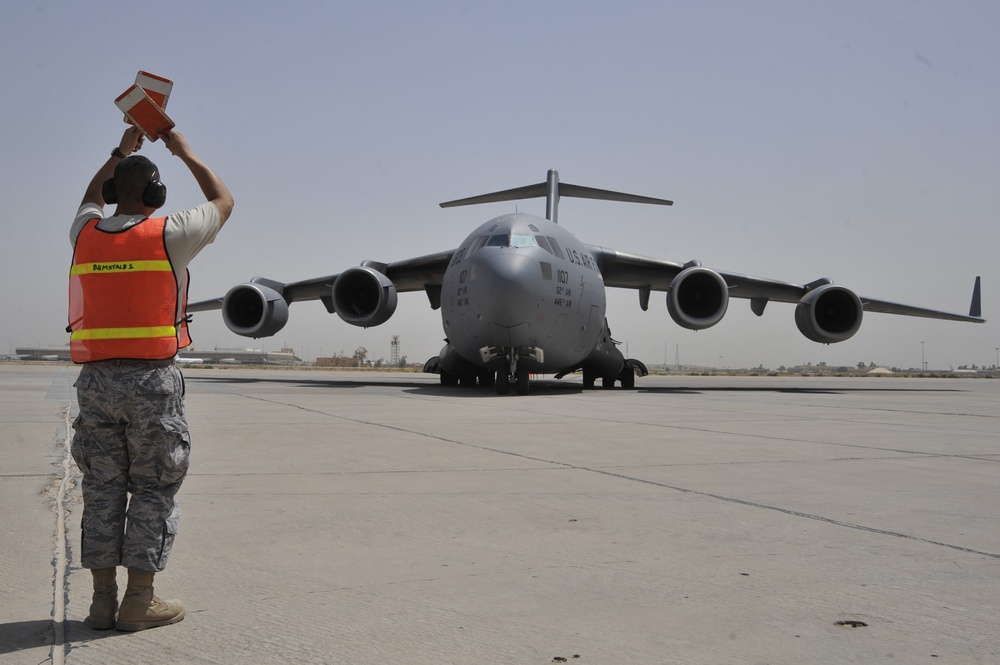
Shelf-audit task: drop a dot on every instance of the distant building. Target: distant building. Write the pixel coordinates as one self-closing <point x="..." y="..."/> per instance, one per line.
<point x="60" y="353"/>
<point x="240" y="357"/>
<point x="337" y="361"/>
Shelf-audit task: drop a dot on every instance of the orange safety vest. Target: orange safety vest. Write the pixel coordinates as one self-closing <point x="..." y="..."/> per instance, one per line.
<point x="123" y="295"/>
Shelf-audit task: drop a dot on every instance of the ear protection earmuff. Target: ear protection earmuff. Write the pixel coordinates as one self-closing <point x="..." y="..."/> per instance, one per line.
<point x="108" y="192"/>
<point x="154" y="195"/>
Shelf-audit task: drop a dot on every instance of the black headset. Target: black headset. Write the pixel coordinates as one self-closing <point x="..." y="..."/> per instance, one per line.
<point x="153" y="196"/>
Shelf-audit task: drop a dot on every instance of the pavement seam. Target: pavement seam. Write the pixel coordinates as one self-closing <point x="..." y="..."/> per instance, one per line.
<point x="60" y="561"/>
<point x="752" y="504"/>
<point x="795" y="513"/>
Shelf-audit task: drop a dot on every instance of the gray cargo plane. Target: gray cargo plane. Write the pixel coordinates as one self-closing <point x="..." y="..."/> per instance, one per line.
<point x="521" y="295"/>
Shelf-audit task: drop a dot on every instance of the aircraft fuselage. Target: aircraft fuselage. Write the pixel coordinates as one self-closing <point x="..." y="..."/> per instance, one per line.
<point x="519" y="284"/>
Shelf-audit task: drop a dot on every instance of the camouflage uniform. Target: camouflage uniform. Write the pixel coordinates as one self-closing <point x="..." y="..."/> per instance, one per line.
<point x="131" y="438"/>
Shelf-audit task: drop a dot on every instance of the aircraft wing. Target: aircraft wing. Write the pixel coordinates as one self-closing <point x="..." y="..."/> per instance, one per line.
<point x="422" y="273"/>
<point x="632" y="271"/>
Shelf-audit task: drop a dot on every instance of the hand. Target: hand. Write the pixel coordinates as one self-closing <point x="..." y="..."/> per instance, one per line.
<point x="176" y="143"/>
<point x="131" y="140"/>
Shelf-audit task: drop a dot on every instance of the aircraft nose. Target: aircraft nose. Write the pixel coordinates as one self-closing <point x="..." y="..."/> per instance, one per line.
<point x="509" y="281"/>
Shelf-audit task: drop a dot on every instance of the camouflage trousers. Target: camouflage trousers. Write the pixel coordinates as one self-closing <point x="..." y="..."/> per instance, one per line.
<point x="131" y="443"/>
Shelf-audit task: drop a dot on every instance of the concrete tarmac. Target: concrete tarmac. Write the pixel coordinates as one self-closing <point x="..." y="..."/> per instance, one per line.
<point x="347" y="518"/>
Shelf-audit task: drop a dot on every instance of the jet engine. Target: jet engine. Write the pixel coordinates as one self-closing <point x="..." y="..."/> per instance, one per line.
<point x="698" y="298"/>
<point x="254" y="310"/>
<point x="363" y="296"/>
<point x="829" y="314"/>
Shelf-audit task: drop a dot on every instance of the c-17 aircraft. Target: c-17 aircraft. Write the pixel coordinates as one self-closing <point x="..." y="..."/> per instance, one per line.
<point x="521" y="295"/>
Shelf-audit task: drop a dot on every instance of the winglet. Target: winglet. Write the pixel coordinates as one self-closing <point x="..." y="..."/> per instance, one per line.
<point x="976" y="308"/>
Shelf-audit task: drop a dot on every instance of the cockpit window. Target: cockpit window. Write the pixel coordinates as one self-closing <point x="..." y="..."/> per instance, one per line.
<point x="555" y="247"/>
<point x="509" y="240"/>
<point x="477" y="243"/>
<point x="544" y="244"/>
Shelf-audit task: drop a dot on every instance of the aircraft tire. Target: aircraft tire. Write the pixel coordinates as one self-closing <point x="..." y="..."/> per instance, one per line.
<point x="448" y="379"/>
<point x="588" y="380"/>
<point x="503" y="383"/>
<point x="627" y="378"/>
<point x="607" y="382"/>
<point x="522" y="380"/>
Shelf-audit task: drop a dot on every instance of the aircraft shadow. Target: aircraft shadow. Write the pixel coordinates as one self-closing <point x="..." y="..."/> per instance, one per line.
<point x="23" y="635"/>
<point x="413" y="387"/>
<point x="547" y="387"/>
<point x="304" y="382"/>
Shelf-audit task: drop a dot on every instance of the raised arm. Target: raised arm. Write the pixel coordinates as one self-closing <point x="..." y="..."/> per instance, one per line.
<point x="211" y="185"/>
<point x="131" y="141"/>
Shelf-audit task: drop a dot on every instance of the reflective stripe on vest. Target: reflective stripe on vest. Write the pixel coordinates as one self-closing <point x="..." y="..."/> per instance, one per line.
<point x="131" y="266"/>
<point x="123" y="294"/>
<point x="123" y="333"/>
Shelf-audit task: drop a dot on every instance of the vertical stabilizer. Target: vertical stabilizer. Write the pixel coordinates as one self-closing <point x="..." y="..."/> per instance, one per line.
<point x="552" y="196"/>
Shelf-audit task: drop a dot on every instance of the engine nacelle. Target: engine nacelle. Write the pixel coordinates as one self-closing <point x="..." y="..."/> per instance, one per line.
<point x="363" y="296"/>
<point x="829" y="314"/>
<point x="698" y="298"/>
<point x="254" y="310"/>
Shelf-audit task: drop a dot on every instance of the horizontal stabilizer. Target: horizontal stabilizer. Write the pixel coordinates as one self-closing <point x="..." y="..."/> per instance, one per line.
<point x="552" y="190"/>
<point x="576" y="191"/>
<point x="516" y="194"/>
<point x="565" y="189"/>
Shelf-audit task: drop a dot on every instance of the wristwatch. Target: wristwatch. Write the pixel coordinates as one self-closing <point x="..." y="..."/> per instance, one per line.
<point x="117" y="152"/>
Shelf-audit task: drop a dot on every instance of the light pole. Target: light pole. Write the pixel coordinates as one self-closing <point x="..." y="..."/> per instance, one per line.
<point x="923" y="363"/>
<point x="997" y="349"/>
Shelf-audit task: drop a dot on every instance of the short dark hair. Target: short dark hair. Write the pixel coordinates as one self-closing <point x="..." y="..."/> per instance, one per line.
<point x="132" y="175"/>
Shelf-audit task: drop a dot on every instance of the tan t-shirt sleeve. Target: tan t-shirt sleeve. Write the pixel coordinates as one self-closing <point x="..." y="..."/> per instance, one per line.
<point x="190" y="231"/>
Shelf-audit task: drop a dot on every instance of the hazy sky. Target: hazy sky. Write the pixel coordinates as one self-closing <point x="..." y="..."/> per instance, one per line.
<point x="853" y="140"/>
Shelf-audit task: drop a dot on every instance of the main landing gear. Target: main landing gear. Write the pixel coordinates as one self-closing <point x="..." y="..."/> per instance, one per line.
<point x="626" y="376"/>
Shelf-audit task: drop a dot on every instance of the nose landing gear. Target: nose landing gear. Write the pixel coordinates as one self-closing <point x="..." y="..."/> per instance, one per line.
<point x="511" y="371"/>
<point x="503" y="380"/>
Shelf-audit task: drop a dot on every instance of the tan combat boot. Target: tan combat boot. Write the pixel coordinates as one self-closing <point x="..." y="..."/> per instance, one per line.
<point x="141" y="609"/>
<point x="105" y="604"/>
